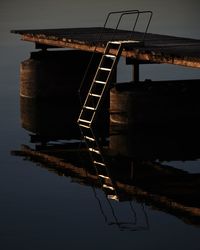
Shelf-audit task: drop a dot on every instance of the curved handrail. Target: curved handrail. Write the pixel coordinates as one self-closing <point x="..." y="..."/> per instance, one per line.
<point x="137" y="18"/>
<point x="117" y="12"/>
<point x="123" y="13"/>
<point x="99" y="38"/>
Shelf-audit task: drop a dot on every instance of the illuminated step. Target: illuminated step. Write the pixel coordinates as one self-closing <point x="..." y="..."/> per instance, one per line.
<point x="94" y="150"/>
<point x="89" y="138"/>
<point x="83" y="120"/>
<point x="99" y="163"/>
<point x="108" y="187"/>
<point x="105" y="69"/>
<point x="104" y="177"/>
<point x="90" y="108"/>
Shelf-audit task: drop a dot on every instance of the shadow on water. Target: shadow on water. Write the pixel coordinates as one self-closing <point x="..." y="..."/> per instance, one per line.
<point x="134" y="163"/>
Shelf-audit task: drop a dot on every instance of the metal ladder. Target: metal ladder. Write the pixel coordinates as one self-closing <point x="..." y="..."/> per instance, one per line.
<point x="95" y="96"/>
<point x="90" y="107"/>
<point x="100" y="83"/>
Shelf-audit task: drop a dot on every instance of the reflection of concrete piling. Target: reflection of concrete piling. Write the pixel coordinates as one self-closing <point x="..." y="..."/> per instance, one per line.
<point x="49" y="87"/>
<point x="50" y="120"/>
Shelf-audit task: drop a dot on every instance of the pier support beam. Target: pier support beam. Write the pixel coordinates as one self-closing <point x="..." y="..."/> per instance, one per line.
<point x="136" y="73"/>
<point x="136" y="67"/>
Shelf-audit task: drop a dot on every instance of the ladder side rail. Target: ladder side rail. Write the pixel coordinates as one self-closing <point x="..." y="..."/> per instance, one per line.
<point x="88" y="66"/>
<point x="115" y="61"/>
<point x="90" y="90"/>
<point x="95" y="76"/>
<point x="104" y="87"/>
<point x="101" y="160"/>
<point x="107" y="81"/>
<point x="94" y="149"/>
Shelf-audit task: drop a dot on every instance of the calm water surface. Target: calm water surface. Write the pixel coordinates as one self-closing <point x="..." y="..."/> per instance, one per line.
<point x="57" y="209"/>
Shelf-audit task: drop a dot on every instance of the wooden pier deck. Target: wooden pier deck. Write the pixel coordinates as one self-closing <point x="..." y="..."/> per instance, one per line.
<point x="156" y="48"/>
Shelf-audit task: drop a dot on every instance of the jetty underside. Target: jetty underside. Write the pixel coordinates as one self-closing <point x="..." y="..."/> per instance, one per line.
<point x="155" y="49"/>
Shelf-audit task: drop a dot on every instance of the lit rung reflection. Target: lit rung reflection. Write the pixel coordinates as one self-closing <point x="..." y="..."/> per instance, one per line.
<point x="109" y="187"/>
<point x="104" y="177"/>
<point x="113" y="197"/>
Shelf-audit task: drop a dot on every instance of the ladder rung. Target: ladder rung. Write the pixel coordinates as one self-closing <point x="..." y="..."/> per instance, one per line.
<point x="108" y="187"/>
<point x="84" y="126"/>
<point x="113" y="197"/>
<point x="101" y="82"/>
<point x="94" y="150"/>
<point x="83" y="120"/>
<point x="104" y="176"/>
<point x="95" y="95"/>
<point x="110" y="56"/>
<point x="89" y="138"/>
<point x="99" y="163"/>
<point x="105" y="69"/>
<point x="115" y="42"/>
<point x="88" y="107"/>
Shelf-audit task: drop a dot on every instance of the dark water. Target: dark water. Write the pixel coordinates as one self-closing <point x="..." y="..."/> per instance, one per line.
<point x="47" y="206"/>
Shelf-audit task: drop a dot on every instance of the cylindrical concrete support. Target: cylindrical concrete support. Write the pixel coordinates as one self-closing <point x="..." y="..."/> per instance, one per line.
<point x="55" y="74"/>
<point x="145" y="115"/>
<point x="51" y="80"/>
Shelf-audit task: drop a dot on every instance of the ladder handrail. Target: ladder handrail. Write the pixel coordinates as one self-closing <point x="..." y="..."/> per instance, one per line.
<point x="99" y="38"/>
<point x="118" y="12"/>
<point x="135" y="24"/>
<point x="123" y="13"/>
<point x="130" y="12"/>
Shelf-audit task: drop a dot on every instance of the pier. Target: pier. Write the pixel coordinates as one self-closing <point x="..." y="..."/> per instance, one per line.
<point x="156" y="48"/>
<point x="126" y="152"/>
<point x="106" y="46"/>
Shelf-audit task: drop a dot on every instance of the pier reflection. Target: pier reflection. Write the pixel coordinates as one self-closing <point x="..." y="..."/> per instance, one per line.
<point x="135" y="163"/>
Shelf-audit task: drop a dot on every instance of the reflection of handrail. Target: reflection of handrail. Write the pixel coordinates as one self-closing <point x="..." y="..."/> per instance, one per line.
<point x="123" y="225"/>
<point x="123" y="13"/>
<point x="131" y="226"/>
<point x="100" y="206"/>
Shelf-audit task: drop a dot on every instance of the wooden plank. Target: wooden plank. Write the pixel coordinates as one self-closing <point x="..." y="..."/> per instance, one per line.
<point x="157" y="48"/>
